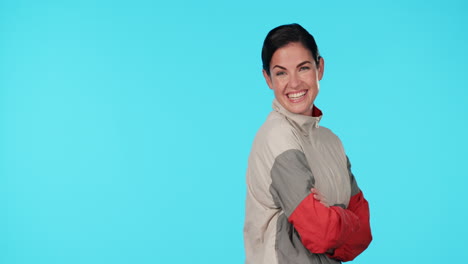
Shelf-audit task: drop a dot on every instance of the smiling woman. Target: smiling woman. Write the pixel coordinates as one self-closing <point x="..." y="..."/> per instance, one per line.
<point x="303" y="203"/>
<point x="295" y="78"/>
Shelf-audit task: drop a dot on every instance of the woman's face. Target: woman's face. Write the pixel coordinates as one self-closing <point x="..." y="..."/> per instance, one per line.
<point x="294" y="78"/>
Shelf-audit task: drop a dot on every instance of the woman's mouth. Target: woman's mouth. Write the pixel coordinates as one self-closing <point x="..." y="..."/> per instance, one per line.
<point x="297" y="96"/>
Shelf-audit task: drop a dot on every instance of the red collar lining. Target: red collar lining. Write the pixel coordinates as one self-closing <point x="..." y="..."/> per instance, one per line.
<point x="316" y="112"/>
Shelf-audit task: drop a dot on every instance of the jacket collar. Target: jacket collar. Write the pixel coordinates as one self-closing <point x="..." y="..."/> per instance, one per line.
<point x="302" y="122"/>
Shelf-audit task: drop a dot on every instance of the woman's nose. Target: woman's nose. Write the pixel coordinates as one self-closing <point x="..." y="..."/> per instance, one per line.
<point x="294" y="81"/>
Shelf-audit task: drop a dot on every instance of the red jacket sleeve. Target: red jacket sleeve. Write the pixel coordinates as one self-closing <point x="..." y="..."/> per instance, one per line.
<point x="356" y="243"/>
<point x="322" y="228"/>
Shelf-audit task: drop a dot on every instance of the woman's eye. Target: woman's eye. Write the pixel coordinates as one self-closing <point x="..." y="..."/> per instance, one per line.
<point x="280" y="73"/>
<point x="304" y="68"/>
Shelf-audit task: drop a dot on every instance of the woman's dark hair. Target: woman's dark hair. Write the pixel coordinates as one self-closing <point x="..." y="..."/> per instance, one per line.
<point x="282" y="36"/>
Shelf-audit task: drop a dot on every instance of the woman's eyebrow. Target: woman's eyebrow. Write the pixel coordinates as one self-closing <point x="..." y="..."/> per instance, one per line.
<point x="277" y="66"/>
<point x="299" y="65"/>
<point x="302" y="63"/>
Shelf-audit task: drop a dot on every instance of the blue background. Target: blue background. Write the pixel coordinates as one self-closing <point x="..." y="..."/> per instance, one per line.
<point x="125" y="126"/>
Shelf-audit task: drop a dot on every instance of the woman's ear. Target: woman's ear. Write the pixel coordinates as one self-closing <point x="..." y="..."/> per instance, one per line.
<point x="321" y="68"/>
<point x="267" y="79"/>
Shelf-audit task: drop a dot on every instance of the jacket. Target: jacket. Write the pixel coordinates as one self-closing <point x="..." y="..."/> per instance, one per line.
<point x="290" y="155"/>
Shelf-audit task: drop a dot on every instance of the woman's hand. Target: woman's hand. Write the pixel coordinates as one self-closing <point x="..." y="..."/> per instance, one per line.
<point x="319" y="197"/>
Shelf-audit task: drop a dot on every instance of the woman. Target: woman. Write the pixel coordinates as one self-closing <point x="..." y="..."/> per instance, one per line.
<point x="303" y="203"/>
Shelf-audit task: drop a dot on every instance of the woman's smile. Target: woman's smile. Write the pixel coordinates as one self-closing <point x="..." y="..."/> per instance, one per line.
<point x="296" y="97"/>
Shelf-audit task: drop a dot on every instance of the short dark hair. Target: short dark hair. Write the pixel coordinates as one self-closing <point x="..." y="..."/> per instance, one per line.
<point x="282" y="36"/>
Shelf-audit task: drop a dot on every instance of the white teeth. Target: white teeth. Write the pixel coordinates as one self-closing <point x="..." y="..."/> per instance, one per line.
<point x="296" y="95"/>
